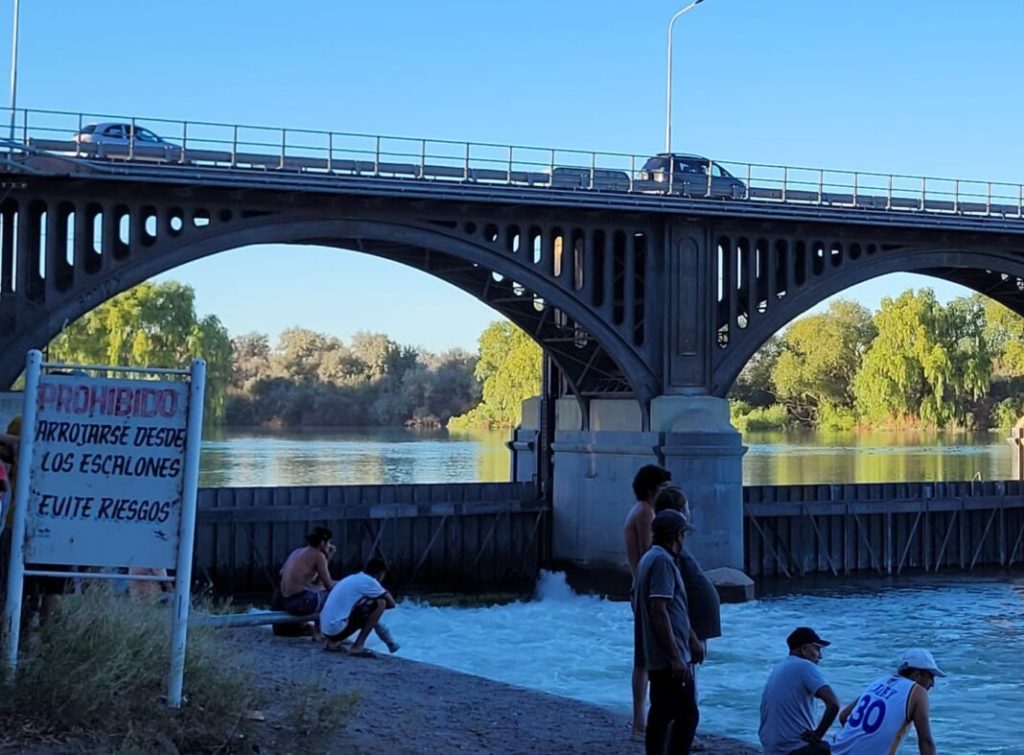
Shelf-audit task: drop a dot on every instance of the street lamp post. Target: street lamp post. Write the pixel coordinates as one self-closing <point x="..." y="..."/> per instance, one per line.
<point x="668" y="76"/>
<point x="13" y="68"/>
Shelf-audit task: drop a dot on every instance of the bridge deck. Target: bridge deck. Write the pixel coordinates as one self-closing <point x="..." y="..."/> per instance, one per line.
<point x="333" y="161"/>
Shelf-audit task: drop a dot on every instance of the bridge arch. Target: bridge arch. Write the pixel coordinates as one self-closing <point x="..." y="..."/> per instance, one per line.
<point x="583" y="345"/>
<point x="996" y="275"/>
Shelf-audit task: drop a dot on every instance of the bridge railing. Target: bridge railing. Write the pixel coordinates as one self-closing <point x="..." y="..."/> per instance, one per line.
<point x="239" y="150"/>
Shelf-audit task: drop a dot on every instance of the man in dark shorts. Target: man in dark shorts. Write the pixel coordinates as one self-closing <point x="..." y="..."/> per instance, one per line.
<point x="305" y="578"/>
<point x="637" y="535"/>
<point x="355" y="605"/>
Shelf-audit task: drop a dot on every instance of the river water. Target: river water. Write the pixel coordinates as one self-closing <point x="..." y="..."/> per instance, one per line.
<point x="581" y="647"/>
<point x="397" y="455"/>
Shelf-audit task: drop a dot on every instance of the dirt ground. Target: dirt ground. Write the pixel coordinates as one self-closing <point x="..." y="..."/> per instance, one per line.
<point x="390" y="705"/>
<point x="409" y="707"/>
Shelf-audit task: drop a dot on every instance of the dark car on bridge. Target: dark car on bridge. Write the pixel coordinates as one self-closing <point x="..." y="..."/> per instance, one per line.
<point x="692" y="176"/>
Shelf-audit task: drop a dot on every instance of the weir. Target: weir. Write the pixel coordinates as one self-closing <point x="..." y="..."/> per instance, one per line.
<point x="498" y="536"/>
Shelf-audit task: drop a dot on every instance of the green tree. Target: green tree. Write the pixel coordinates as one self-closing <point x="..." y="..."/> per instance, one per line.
<point x="820" y="357"/>
<point x="754" y="385"/>
<point x="508" y="365"/>
<point x="927" y="363"/>
<point x="152" y="325"/>
<point x="1004" y="332"/>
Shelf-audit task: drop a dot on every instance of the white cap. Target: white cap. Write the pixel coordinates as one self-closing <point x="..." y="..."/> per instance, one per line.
<point x="919" y="658"/>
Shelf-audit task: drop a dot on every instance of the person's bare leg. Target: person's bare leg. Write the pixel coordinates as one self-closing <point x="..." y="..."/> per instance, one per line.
<point x="639" y="700"/>
<point x="368" y="626"/>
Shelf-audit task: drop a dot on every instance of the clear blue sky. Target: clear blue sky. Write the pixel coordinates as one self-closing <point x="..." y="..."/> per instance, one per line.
<point x="917" y="86"/>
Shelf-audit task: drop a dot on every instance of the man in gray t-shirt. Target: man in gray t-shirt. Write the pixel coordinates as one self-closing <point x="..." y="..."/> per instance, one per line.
<point x="664" y="626"/>
<point x="787" y="703"/>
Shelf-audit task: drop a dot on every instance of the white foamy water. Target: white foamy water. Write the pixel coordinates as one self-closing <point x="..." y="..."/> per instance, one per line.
<point x="581" y="647"/>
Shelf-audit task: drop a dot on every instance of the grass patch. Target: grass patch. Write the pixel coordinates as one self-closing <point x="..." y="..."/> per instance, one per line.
<point x="98" y="672"/>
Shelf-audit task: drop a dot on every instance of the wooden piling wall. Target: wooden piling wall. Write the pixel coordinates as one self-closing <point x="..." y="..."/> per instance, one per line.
<point x="885" y="528"/>
<point x="448" y="536"/>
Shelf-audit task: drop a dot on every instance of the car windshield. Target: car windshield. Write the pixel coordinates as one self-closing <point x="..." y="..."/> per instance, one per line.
<point x="654" y="163"/>
<point x="88" y="129"/>
<point x="145" y="135"/>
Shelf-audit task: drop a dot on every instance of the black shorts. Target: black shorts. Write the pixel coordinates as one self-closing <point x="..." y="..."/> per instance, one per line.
<point x="361" y="611"/>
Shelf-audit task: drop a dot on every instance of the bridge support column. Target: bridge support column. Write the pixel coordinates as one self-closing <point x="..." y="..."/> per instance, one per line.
<point x="704" y="452"/>
<point x="689" y="435"/>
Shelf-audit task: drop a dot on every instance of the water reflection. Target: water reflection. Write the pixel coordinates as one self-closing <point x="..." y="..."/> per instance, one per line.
<point x="354" y="456"/>
<point x="821" y="457"/>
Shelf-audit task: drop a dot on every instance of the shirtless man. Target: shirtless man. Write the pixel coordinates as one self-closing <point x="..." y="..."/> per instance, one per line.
<point x="637" y="534"/>
<point x="305" y="579"/>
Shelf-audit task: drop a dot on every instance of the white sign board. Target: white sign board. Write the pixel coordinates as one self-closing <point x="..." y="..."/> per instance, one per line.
<point x="107" y="469"/>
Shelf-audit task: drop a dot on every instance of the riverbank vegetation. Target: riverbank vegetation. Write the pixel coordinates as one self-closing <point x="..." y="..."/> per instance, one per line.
<point x="915" y="363"/>
<point x="94" y="678"/>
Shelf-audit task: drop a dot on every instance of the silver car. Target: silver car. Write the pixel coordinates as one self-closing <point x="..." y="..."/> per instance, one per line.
<point x="693" y="176"/>
<point x="126" y="140"/>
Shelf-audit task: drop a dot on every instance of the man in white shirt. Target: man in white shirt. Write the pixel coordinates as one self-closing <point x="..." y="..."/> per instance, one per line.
<point x="880" y="716"/>
<point x="787" y="703"/>
<point x="356" y="604"/>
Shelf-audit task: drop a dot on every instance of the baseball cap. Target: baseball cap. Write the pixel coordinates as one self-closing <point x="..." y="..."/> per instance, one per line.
<point x="805" y="636"/>
<point x="919" y="658"/>
<point x="669" y="523"/>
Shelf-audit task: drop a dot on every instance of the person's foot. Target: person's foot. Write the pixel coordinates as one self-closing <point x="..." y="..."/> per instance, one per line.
<point x="393" y="646"/>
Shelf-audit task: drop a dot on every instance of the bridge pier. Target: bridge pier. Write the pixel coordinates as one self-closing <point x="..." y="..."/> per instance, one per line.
<point x="593" y="470"/>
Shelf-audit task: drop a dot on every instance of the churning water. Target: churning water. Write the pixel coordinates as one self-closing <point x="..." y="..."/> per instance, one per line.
<point x="581" y="647"/>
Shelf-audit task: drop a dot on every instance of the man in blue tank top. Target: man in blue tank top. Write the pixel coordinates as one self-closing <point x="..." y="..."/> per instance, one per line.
<point x="787" y="703"/>
<point x="878" y="719"/>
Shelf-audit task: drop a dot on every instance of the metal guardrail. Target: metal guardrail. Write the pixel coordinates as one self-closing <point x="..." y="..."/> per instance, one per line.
<point x="234" y="148"/>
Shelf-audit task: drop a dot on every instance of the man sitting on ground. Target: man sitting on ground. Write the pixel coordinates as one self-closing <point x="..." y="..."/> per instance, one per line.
<point x="787" y="703"/>
<point x="305" y="578"/>
<point x="356" y="605"/>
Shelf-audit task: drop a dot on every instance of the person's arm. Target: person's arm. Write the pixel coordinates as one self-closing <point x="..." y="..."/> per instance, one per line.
<point x="389" y="602"/>
<point x="845" y="712"/>
<point x="696" y="648"/>
<point x="633" y="551"/>
<point x="322" y="571"/>
<point x="827" y="696"/>
<point x="662" y="626"/>
<point x="919" y="708"/>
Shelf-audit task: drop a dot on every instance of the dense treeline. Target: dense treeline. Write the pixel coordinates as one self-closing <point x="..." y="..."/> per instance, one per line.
<point x="152" y="325"/>
<point x="307" y="380"/>
<point x="311" y="379"/>
<point x="913" y="363"/>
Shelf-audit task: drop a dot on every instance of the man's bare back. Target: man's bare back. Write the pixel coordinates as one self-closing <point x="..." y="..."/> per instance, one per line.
<point x="305" y="569"/>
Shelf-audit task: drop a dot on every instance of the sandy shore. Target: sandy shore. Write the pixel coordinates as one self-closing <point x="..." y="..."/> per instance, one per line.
<point x="409" y="707"/>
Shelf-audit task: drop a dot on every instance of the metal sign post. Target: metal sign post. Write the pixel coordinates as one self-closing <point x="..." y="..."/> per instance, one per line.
<point x="183" y="573"/>
<point x="108" y="469"/>
<point x="16" y="570"/>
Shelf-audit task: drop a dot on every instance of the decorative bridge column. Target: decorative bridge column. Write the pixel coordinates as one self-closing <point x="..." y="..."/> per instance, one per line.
<point x="704" y="452"/>
<point x="593" y="473"/>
